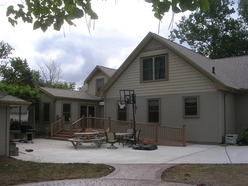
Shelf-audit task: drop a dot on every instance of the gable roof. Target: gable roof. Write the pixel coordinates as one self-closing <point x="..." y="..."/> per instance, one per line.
<point x="107" y="71"/>
<point x="230" y="73"/>
<point x="68" y="94"/>
<point x="6" y="99"/>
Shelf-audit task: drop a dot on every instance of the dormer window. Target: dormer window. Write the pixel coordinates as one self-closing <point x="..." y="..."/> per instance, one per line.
<point x="154" y="68"/>
<point x="99" y="84"/>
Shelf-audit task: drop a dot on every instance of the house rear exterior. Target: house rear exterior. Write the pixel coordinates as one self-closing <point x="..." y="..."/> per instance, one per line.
<point x="72" y="104"/>
<point x="175" y="86"/>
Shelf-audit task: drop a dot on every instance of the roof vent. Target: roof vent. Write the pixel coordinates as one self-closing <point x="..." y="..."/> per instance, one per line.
<point x="213" y="70"/>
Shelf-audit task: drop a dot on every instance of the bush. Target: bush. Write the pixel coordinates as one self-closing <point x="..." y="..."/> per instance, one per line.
<point x="15" y="124"/>
<point x="244" y="137"/>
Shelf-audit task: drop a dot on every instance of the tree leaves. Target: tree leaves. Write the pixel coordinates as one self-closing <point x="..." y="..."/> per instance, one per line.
<point x="213" y="33"/>
<point x="160" y="7"/>
<point x="45" y="13"/>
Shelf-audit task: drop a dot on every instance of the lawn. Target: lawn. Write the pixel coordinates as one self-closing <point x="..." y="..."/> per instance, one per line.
<point x="13" y="171"/>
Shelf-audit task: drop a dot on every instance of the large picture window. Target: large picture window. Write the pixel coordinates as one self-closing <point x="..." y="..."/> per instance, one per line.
<point x="191" y="106"/>
<point x="154" y="68"/>
<point x="67" y="111"/>
<point x="153" y="110"/>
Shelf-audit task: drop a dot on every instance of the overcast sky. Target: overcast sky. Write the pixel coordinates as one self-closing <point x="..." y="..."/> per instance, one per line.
<point x="121" y="26"/>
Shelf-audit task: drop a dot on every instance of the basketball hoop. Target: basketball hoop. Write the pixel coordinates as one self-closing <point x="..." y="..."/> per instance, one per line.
<point x="128" y="97"/>
<point x="121" y="104"/>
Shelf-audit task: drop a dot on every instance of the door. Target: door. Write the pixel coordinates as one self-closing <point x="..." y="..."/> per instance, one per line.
<point x="87" y="111"/>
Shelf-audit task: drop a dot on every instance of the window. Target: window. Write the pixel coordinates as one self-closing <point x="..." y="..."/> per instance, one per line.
<point x="67" y="111"/>
<point x="87" y="111"/>
<point x="153" y="110"/>
<point x="122" y="113"/>
<point x="99" y="84"/>
<point x="191" y="106"/>
<point x="154" y="68"/>
<point x="46" y="111"/>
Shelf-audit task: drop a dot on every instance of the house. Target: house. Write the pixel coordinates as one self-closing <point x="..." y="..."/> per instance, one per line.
<point x="73" y="104"/>
<point x="6" y="101"/>
<point x="175" y="86"/>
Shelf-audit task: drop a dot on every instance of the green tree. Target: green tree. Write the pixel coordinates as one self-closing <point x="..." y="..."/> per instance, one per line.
<point x="243" y="9"/>
<point x="45" y="13"/>
<point x="213" y="33"/>
<point x="17" y="72"/>
<point x="24" y="92"/>
<point x="5" y="50"/>
<point x="64" y="85"/>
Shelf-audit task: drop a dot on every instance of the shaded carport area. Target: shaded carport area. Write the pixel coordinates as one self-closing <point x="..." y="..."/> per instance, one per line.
<point x="6" y="101"/>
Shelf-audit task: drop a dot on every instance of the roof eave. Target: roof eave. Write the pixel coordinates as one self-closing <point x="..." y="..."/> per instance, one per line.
<point x="17" y="103"/>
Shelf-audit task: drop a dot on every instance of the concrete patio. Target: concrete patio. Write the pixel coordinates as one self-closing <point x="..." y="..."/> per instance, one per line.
<point x="132" y="167"/>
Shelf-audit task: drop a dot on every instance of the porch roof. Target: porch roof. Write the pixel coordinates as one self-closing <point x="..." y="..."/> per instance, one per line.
<point x="68" y="94"/>
<point x="6" y="99"/>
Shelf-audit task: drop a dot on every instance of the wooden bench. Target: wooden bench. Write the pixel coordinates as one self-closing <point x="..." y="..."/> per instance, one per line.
<point x="77" y="141"/>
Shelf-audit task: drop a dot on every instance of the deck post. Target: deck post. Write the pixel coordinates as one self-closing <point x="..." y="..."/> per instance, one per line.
<point x="70" y="129"/>
<point x="184" y="135"/>
<point x="89" y="122"/>
<point x="156" y="132"/>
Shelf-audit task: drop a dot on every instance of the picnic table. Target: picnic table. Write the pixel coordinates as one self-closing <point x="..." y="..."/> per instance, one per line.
<point x="86" y="137"/>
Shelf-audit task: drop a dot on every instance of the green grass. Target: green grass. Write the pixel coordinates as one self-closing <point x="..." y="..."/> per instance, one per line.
<point x="14" y="171"/>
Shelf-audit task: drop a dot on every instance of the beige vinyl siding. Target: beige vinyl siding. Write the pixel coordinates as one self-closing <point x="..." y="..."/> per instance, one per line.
<point x="3" y="130"/>
<point x="207" y="128"/>
<point x="92" y="83"/>
<point x="230" y="113"/>
<point x="182" y="78"/>
<point x="241" y="112"/>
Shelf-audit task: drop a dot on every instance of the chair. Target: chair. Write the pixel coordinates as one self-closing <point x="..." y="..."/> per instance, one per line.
<point x="111" y="138"/>
<point x="134" y="138"/>
<point x="126" y="138"/>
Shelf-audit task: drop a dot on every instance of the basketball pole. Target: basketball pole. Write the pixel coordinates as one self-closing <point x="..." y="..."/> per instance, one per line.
<point x="134" y="124"/>
<point x="129" y="97"/>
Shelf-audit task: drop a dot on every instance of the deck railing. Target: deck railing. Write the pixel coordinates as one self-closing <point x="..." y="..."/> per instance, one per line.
<point x="151" y="132"/>
<point x="57" y="126"/>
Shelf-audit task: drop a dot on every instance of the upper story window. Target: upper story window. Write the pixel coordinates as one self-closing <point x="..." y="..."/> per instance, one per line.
<point x="99" y="84"/>
<point x="154" y="68"/>
<point x="191" y="106"/>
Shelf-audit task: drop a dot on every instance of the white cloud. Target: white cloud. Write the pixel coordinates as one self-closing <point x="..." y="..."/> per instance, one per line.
<point x="121" y="26"/>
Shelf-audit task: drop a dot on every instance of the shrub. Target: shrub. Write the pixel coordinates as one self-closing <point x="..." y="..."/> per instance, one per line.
<point x="244" y="137"/>
<point x="15" y="124"/>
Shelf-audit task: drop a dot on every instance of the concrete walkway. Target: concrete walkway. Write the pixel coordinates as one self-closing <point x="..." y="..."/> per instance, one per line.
<point x="132" y="167"/>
